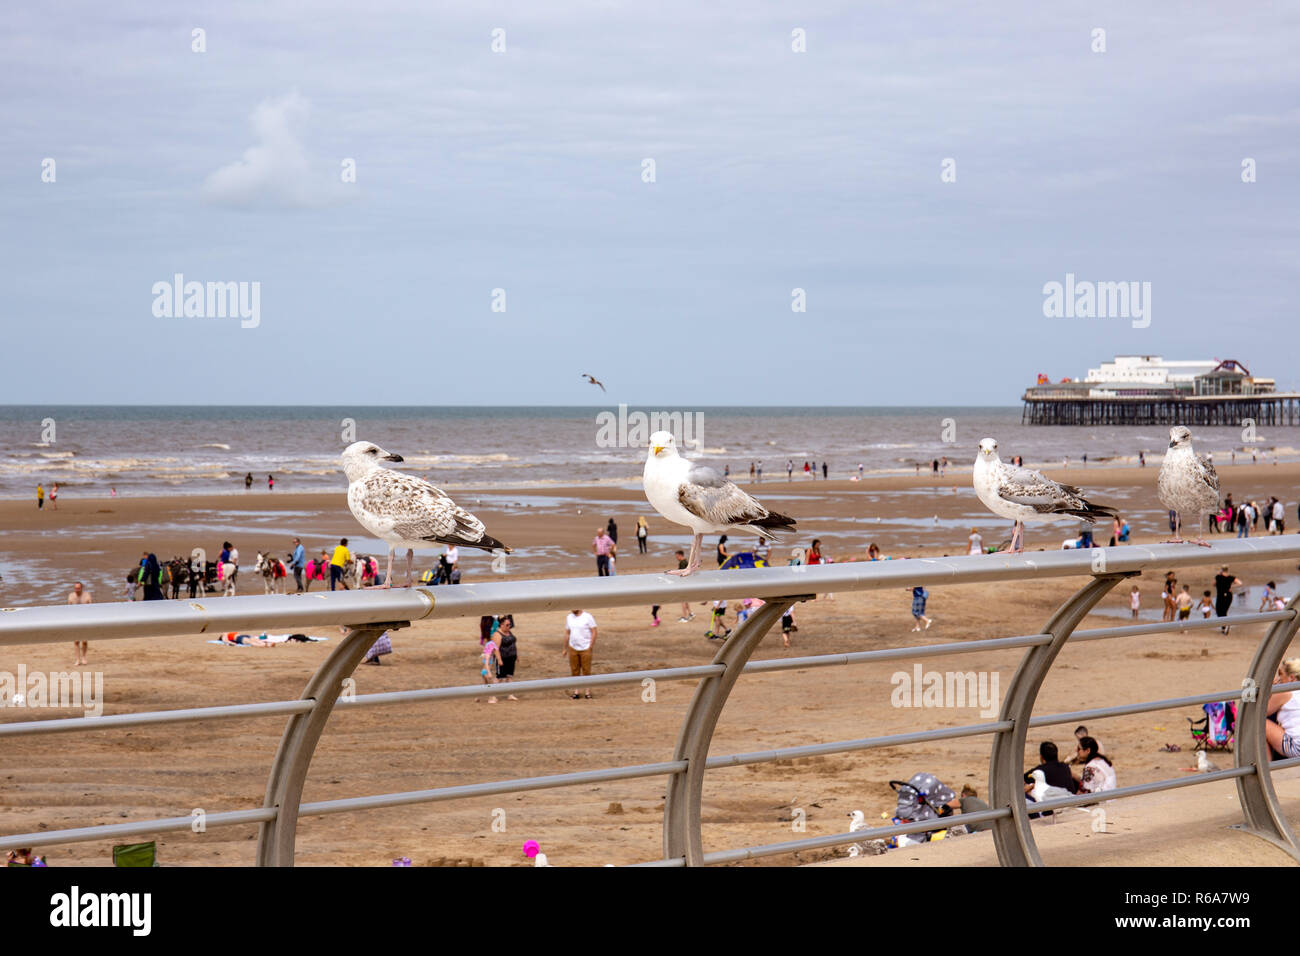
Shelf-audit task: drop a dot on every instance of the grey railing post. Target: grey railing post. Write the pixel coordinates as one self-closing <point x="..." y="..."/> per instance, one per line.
<point x="1011" y="835"/>
<point x="276" y="838"/>
<point x="682" y="803"/>
<point x="1263" y="815"/>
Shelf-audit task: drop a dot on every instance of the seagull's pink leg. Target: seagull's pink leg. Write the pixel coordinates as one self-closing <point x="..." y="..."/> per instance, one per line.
<point x="1018" y="537"/>
<point x="1178" y="528"/>
<point x="693" y="563"/>
<point x="410" y="566"/>
<point x="388" y="578"/>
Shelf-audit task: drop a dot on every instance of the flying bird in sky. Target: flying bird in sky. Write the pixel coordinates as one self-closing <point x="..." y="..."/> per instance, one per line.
<point x="591" y="380"/>
<point x="406" y="511"/>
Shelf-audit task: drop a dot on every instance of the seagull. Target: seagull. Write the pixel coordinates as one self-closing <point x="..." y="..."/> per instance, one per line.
<point x="1187" y="483"/>
<point x="699" y="498"/>
<point x="404" y="510"/>
<point x="1043" y="791"/>
<point x="1023" y="494"/>
<point x="593" y="381"/>
<point x="1204" y="764"/>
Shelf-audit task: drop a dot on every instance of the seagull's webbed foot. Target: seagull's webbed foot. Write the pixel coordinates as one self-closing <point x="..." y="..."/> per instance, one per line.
<point x="1203" y="543"/>
<point x="1176" y="541"/>
<point x="680" y="572"/>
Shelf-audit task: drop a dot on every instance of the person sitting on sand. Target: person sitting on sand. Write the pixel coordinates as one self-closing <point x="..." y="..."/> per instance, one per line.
<point x="1098" y="772"/>
<point x="1056" y="773"/>
<point x="971" y="803"/>
<point x="263" y="640"/>
<point x="1283" y="725"/>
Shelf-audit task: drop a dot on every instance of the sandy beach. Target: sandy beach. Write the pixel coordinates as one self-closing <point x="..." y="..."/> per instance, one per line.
<point x="109" y="777"/>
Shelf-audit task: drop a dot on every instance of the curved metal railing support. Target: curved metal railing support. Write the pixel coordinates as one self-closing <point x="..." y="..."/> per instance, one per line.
<point x="682" y="804"/>
<point x="276" y="838"/>
<point x="1011" y="835"/>
<point x="1259" y="803"/>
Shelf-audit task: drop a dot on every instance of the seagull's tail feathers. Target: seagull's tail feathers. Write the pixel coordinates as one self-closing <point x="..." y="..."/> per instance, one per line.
<point x="1091" y="512"/>
<point x="489" y="543"/>
<point x="773" y="525"/>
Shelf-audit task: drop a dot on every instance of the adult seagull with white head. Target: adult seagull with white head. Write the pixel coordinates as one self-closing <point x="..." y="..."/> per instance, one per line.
<point x="1023" y="494"/>
<point x="696" y="496"/>
<point x="406" y="511"/>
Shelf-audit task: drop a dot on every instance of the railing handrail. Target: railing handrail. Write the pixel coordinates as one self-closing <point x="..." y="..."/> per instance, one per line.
<point x="40" y="624"/>
<point x="366" y="614"/>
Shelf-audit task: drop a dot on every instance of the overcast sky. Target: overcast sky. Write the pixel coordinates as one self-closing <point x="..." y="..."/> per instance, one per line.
<point x="522" y="170"/>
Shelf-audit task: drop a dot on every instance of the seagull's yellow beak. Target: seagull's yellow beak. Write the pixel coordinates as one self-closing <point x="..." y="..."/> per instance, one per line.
<point x="657" y="449"/>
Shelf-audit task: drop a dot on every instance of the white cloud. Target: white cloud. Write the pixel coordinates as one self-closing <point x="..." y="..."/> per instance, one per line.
<point x="277" y="171"/>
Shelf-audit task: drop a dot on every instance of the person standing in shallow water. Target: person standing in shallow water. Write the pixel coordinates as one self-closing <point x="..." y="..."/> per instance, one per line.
<point x="248" y="481"/>
<point x="40" y="496"/>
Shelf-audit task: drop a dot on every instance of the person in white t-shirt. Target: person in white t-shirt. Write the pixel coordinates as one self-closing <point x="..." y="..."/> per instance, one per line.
<point x="580" y="631"/>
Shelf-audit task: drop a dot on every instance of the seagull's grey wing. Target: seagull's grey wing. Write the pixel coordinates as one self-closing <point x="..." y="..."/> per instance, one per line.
<point x="1024" y="486"/>
<point x="708" y="495"/>
<point x="1207" y="473"/>
<point x="418" y="510"/>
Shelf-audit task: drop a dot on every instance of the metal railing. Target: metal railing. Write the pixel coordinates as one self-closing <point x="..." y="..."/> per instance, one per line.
<point x="366" y="614"/>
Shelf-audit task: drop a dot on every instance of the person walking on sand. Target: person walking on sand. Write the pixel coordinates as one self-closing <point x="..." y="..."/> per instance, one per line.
<point x="337" y="564"/>
<point x="751" y="471"/>
<point x="508" y="650"/>
<point x="687" y="614"/>
<point x="976" y="542"/>
<point x="642" y="534"/>
<point x="825" y="471"/>
<point x="611" y="529"/>
<point x="807" y="470"/>
<point x="787" y="627"/>
<point x="79" y="595"/>
<point x="149" y="577"/>
<point x="40" y="496"/>
<point x="601" y="547"/>
<point x="723" y="553"/>
<point x="919" y="596"/>
<point x="1184" y="605"/>
<point x="1135" y="601"/>
<point x="1223" y="585"/>
<point x="789" y="469"/>
<point x="298" y="561"/>
<point x="580" y="638"/>
<point x="491" y="661"/>
<point x="54" y="497"/>
<point x="760" y="471"/>
<point x="1206" y="607"/>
